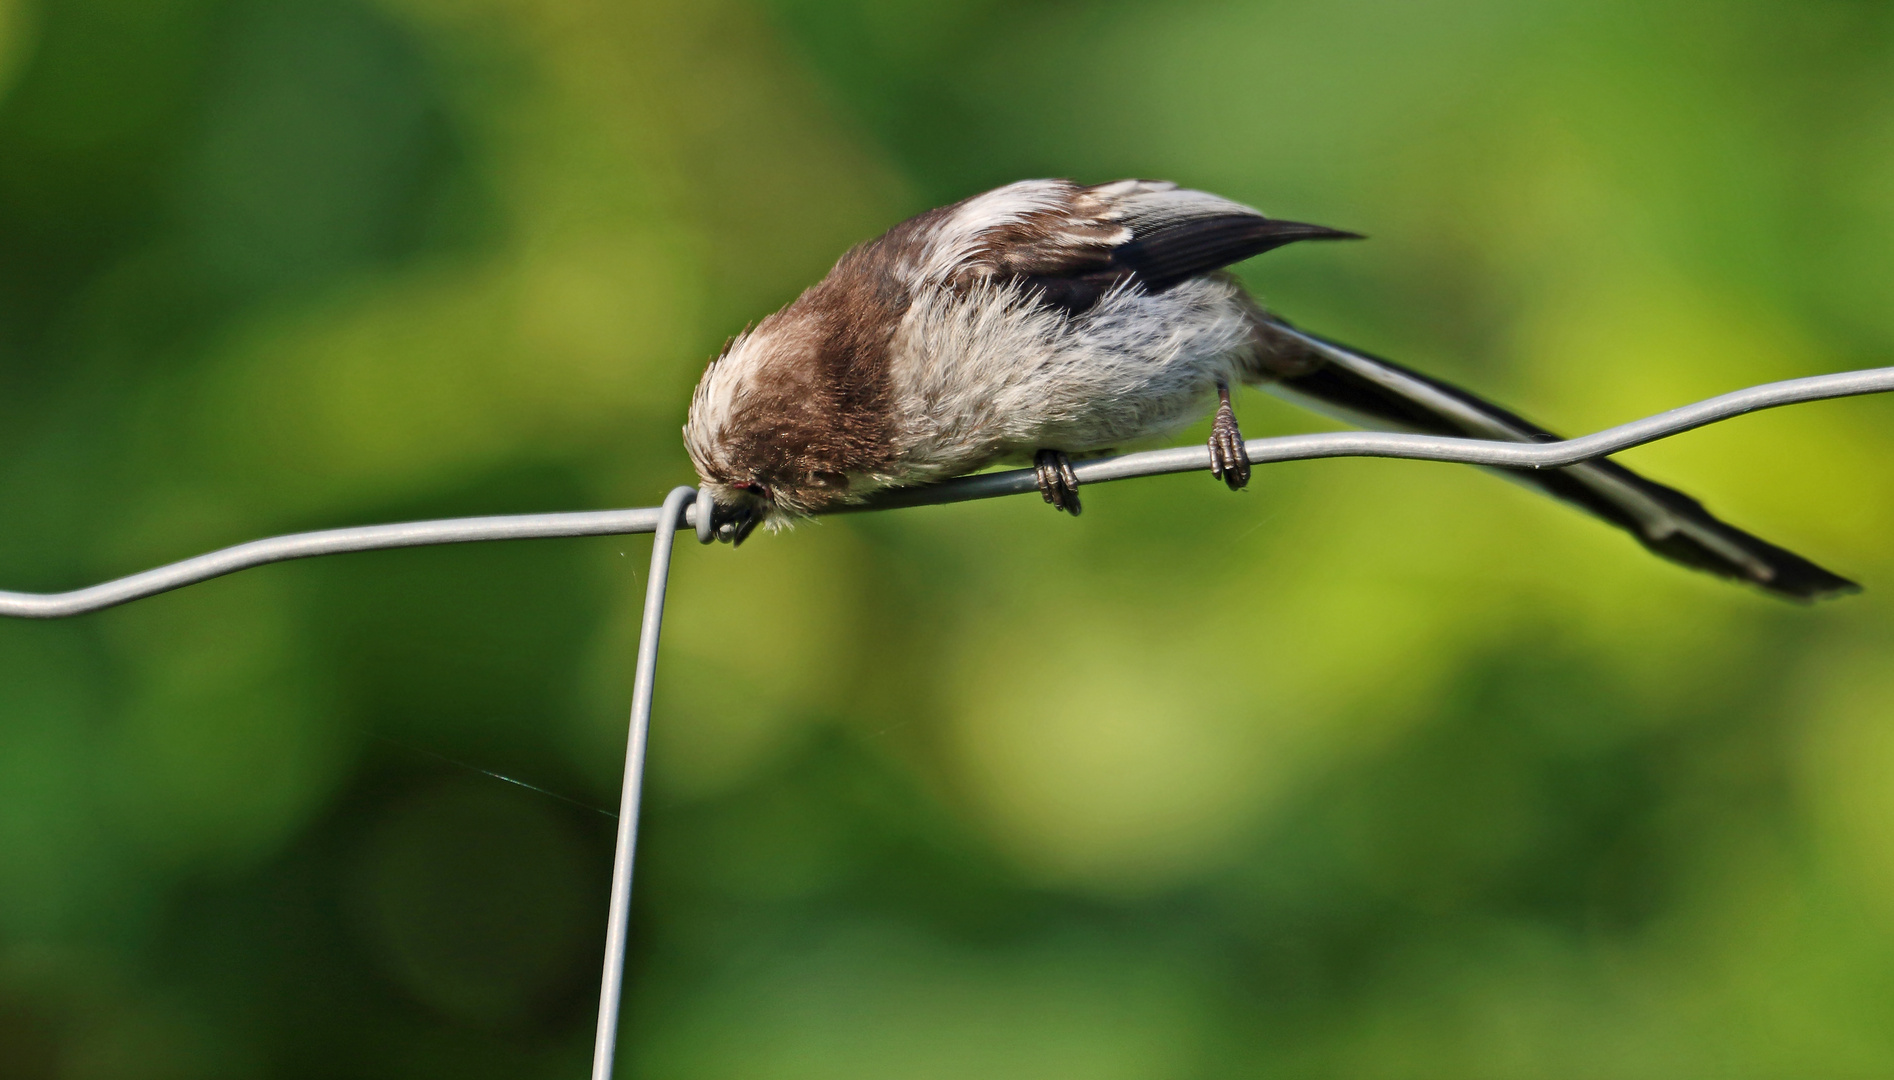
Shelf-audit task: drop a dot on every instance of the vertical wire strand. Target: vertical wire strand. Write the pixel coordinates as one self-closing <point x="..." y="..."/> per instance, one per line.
<point x="617" y="927"/>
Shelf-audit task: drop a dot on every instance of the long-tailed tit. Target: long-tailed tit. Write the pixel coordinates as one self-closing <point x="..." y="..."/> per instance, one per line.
<point x="1046" y="319"/>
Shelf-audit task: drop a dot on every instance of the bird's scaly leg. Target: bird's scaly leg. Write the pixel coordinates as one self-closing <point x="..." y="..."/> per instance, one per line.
<point x="1229" y="460"/>
<point x="1058" y="484"/>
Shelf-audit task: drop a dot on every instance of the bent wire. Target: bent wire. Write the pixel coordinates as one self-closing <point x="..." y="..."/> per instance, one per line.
<point x="693" y="507"/>
<point x="618" y="924"/>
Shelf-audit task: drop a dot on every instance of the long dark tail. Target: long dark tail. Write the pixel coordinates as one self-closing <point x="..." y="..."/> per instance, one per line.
<point x="1371" y="392"/>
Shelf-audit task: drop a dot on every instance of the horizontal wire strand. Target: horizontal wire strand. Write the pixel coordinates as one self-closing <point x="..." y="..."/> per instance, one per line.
<point x="1542" y="455"/>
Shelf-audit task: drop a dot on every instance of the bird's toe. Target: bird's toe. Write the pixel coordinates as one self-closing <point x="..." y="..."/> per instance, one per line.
<point x="1229" y="458"/>
<point x="1058" y="484"/>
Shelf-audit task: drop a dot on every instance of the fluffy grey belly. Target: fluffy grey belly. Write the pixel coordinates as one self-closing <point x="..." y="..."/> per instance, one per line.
<point x="986" y="376"/>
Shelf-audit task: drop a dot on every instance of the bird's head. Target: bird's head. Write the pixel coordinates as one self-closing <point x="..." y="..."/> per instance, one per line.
<point x="766" y="439"/>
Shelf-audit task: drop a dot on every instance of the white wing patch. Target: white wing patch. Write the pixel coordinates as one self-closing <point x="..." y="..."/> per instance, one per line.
<point x="1148" y="204"/>
<point x="1075" y="220"/>
<point x="958" y="239"/>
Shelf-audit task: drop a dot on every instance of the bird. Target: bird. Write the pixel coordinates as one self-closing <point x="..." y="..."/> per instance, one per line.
<point x="1046" y="320"/>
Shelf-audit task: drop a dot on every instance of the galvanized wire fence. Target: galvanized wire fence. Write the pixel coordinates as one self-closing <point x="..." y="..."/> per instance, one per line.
<point x="687" y="506"/>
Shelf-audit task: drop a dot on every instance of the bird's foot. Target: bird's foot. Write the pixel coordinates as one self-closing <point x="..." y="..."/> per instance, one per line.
<point x="1058" y="484"/>
<point x="1229" y="460"/>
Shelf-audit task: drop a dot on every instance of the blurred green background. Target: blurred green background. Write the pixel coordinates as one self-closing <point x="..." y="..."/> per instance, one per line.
<point x="1381" y="769"/>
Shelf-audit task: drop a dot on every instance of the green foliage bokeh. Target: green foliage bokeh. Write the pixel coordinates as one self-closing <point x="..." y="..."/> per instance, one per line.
<point x="1378" y="769"/>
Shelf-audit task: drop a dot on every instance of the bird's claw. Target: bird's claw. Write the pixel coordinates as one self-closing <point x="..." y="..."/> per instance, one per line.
<point x="1058" y="484"/>
<point x="1229" y="459"/>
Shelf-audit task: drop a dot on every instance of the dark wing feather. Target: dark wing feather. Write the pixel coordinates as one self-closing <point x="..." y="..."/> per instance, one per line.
<point x="1161" y="257"/>
<point x="1132" y="232"/>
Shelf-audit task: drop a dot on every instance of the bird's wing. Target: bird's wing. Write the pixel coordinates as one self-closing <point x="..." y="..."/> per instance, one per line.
<point x="1177" y="233"/>
<point x="1073" y="243"/>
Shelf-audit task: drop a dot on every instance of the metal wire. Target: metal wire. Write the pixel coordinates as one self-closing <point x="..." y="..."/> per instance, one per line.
<point x="618" y="923"/>
<point x="687" y="506"/>
<point x="984" y="486"/>
<point x="1545" y="455"/>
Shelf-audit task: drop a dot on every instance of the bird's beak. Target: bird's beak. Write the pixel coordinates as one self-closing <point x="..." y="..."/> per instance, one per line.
<point x="744" y="519"/>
